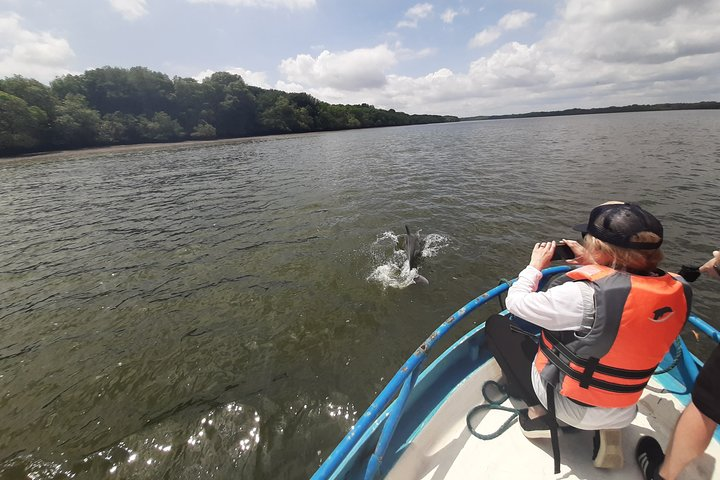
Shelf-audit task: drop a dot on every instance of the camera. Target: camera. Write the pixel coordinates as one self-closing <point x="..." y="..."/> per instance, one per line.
<point x="562" y="252"/>
<point x="690" y="274"/>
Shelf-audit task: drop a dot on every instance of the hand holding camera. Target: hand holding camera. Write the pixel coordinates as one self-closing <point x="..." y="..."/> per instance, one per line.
<point x="546" y="252"/>
<point x="562" y="252"/>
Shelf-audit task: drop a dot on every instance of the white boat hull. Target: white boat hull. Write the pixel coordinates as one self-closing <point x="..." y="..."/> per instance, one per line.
<point x="445" y="449"/>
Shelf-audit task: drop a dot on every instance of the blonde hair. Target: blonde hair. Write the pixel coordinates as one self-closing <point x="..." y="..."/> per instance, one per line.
<point x="643" y="261"/>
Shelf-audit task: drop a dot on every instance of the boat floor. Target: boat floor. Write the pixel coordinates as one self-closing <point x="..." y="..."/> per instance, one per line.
<point x="445" y="449"/>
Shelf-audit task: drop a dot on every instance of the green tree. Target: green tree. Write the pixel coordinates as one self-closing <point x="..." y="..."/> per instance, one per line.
<point x="137" y="90"/>
<point x="67" y="84"/>
<point x="279" y="112"/>
<point x="280" y="118"/>
<point x="111" y="105"/>
<point x="216" y="86"/>
<point x="76" y="124"/>
<point x="22" y="126"/>
<point x="37" y="95"/>
<point x="203" y="131"/>
<point x="33" y="92"/>
<point x="191" y="102"/>
<point x="329" y="117"/>
<point x="234" y="105"/>
<point x="163" y="128"/>
<point x="154" y="90"/>
<point x="236" y="114"/>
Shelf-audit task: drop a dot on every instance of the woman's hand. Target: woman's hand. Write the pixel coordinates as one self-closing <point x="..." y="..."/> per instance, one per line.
<point x="541" y="255"/>
<point x="709" y="267"/>
<point x="582" y="257"/>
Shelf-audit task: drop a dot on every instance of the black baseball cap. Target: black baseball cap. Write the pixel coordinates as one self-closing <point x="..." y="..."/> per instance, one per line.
<point x="617" y="223"/>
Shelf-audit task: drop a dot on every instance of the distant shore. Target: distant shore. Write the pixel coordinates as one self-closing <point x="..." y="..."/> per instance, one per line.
<point x="657" y="107"/>
<point x="119" y="149"/>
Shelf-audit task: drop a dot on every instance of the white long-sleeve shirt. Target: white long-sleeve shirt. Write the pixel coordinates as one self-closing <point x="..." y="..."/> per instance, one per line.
<point x="570" y="306"/>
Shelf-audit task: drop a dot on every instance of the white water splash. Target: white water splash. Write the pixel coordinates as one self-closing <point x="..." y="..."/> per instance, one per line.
<point x="393" y="268"/>
<point x="434" y="243"/>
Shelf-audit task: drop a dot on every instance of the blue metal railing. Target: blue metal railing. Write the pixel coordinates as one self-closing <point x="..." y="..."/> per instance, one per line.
<point x="404" y="381"/>
<point x="388" y="430"/>
<point x="385" y="397"/>
<point x="703" y="326"/>
<point x="688" y="366"/>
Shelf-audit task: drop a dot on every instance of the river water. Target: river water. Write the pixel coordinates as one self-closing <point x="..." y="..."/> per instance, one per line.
<point x="227" y="310"/>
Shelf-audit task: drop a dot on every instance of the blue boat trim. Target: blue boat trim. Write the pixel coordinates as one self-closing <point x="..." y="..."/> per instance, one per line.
<point x="386" y="413"/>
<point x="703" y="326"/>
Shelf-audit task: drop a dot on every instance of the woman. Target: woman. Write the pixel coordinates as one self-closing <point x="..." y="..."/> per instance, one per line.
<point x="605" y="327"/>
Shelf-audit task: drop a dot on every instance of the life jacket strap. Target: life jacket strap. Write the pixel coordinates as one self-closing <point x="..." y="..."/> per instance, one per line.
<point x="591" y="381"/>
<point x="594" y="364"/>
<point x="552" y="423"/>
<point x="587" y="375"/>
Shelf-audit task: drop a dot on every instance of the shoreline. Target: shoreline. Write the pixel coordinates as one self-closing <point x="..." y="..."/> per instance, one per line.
<point x="138" y="147"/>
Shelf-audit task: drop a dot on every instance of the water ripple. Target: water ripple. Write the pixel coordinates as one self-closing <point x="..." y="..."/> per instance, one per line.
<point x="204" y="311"/>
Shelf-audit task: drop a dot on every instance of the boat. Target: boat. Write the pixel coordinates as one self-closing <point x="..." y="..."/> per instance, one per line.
<point x="426" y="422"/>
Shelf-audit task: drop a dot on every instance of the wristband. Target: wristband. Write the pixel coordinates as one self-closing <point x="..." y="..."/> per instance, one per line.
<point x="717" y="268"/>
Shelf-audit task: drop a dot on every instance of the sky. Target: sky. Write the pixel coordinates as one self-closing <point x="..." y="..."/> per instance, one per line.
<point x="456" y="57"/>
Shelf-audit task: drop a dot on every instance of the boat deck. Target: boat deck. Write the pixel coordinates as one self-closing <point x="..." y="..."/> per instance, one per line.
<point x="445" y="449"/>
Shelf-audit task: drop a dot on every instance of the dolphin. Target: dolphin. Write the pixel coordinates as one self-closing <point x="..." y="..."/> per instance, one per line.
<point x="413" y="247"/>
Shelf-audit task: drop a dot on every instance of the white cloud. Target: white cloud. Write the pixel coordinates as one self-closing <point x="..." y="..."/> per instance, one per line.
<point x="683" y="29"/>
<point x="485" y="37"/>
<point x="296" y="87"/>
<point x="592" y="54"/>
<point x="38" y="55"/>
<point x="511" y="21"/>
<point x="403" y="54"/>
<point x="612" y="11"/>
<point x="449" y="15"/>
<point x="290" y="4"/>
<point x="257" y="79"/>
<point x="414" y="14"/>
<point x="354" y="70"/>
<point x="603" y="53"/>
<point x="130" y="9"/>
<point x="515" y="19"/>
<point x="513" y="65"/>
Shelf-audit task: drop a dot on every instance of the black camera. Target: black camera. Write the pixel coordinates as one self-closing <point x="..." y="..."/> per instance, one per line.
<point x="690" y="274"/>
<point x="562" y="252"/>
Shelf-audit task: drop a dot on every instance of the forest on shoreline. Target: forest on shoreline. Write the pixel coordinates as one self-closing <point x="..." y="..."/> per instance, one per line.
<point x="656" y="107"/>
<point x="116" y="106"/>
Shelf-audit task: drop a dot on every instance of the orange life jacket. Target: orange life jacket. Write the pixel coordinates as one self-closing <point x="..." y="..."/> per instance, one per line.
<point x="637" y="318"/>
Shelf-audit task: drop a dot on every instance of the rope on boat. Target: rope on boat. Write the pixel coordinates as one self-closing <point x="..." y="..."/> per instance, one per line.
<point x="493" y="405"/>
<point x="501" y="301"/>
<point x="676" y="358"/>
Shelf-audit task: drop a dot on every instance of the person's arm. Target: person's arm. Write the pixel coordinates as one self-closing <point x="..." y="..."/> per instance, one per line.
<point x="712" y="267"/>
<point x="560" y="308"/>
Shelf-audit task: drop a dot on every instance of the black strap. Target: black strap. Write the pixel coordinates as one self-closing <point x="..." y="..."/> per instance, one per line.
<point x="587" y="375"/>
<point x="551" y="420"/>
<point x="593" y="382"/>
<point x="598" y="367"/>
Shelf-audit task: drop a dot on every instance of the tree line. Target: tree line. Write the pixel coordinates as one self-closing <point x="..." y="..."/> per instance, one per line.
<point x="118" y="106"/>
<point x="656" y="107"/>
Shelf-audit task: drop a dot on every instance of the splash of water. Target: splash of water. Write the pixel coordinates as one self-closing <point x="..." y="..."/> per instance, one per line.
<point x="393" y="266"/>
